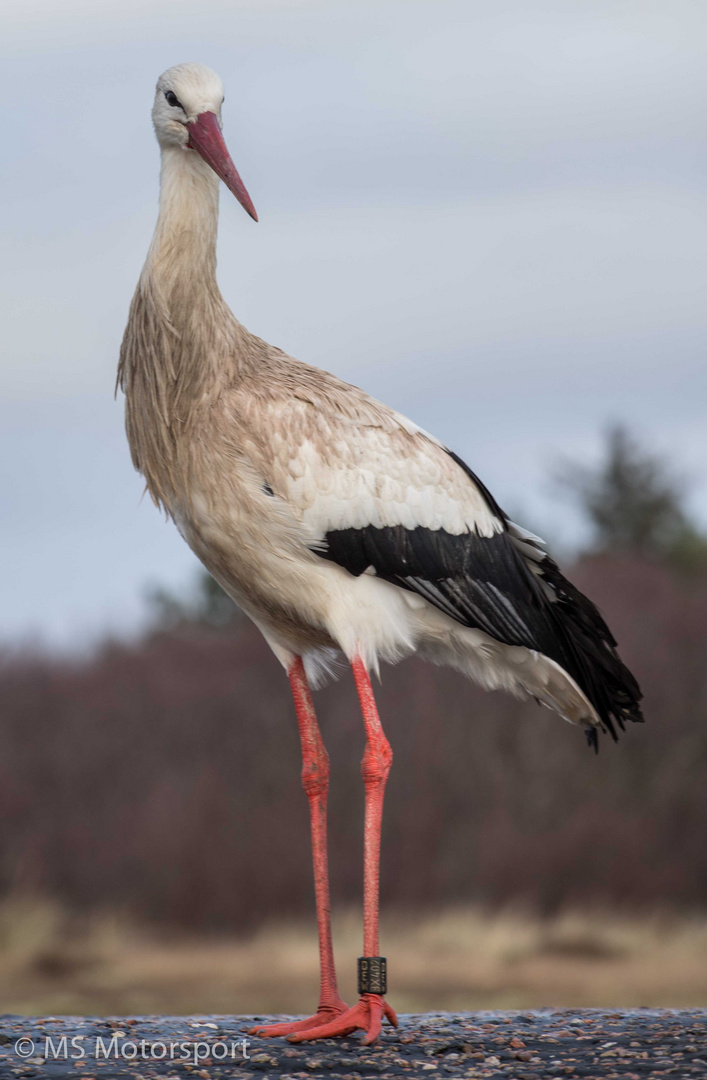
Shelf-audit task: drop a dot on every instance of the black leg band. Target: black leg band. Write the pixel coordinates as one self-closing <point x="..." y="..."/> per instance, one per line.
<point x="372" y="975"/>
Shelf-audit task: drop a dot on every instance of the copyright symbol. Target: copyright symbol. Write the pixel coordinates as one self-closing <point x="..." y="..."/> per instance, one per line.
<point x="24" y="1048"/>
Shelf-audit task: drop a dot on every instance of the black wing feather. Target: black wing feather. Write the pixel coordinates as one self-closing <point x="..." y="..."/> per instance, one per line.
<point x="486" y="583"/>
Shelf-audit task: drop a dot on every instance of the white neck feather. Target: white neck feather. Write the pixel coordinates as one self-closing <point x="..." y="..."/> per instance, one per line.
<point x="182" y="344"/>
<point x="184" y="243"/>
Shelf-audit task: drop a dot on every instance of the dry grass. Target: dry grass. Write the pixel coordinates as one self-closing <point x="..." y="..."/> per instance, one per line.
<point x="54" y="963"/>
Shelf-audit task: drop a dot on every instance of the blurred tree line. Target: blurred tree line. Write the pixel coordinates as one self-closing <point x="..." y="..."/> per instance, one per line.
<point x="635" y="503"/>
<point x="163" y="777"/>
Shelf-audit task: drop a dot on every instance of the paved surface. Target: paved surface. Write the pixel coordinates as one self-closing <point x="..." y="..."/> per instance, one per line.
<point x="522" y="1045"/>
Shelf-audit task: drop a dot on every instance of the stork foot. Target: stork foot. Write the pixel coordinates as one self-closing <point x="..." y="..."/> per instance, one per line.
<point x="367" y="1015"/>
<point x="325" y="1015"/>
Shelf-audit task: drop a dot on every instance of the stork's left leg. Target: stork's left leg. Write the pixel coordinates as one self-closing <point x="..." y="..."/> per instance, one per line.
<point x="315" y="781"/>
<point x="369" y="1011"/>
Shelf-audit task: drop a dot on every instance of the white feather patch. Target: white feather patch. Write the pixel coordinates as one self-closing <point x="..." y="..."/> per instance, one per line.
<point x="371" y="483"/>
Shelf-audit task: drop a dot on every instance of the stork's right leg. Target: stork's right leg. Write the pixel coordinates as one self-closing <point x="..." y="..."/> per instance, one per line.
<point x="315" y="781"/>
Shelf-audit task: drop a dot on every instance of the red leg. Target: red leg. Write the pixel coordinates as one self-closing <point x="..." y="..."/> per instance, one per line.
<point x="377" y="759"/>
<point x="315" y="781"/>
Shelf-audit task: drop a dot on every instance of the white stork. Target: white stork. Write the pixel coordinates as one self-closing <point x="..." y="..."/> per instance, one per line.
<point x="335" y="523"/>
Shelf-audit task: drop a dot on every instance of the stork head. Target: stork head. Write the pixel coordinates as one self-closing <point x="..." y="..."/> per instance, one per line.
<point x="187" y="115"/>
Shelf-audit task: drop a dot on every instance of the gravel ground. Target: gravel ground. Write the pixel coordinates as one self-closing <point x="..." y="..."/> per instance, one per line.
<point x="553" y="1043"/>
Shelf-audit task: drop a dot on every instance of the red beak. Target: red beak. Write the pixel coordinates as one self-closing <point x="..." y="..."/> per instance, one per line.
<point x="205" y="137"/>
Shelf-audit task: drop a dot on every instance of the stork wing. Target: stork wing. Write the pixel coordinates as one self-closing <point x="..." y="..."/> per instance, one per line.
<point x="379" y="495"/>
<point x="346" y="465"/>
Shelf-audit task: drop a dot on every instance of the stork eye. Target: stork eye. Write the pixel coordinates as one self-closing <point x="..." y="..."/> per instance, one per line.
<point x="172" y="99"/>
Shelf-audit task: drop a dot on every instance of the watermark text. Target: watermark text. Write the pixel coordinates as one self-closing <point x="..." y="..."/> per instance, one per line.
<point x="116" y="1048"/>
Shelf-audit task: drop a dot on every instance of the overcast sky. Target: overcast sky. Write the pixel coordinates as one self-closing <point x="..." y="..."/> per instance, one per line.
<point x="490" y="215"/>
